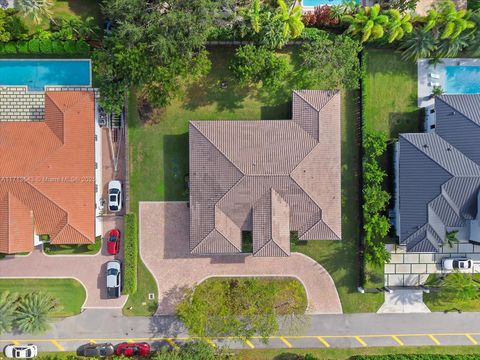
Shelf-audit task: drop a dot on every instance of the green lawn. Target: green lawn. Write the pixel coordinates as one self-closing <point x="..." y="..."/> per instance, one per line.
<point x="346" y="354"/>
<point x="69" y="292"/>
<point x="159" y="157"/>
<point x="81" y="8"/>
<point x="74" y="249"/>
<point x="436" y="303"/>
<point x="390" y="93"/>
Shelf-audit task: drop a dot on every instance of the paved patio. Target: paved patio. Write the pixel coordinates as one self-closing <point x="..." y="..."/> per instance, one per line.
<point x="164" y="239"/>
<point x="88" y="269"/>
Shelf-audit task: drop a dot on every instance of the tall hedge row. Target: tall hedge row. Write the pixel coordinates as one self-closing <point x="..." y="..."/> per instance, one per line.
<point x="416" y="357"/>
<point x="54" y="47"/>
<point x="130" y="254"/>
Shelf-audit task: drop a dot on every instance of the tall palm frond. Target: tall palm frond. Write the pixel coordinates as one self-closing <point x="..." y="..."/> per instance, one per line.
<point x="7" y="310"/>
<point x="38" y="9"/>
<point x="34" y="312"/>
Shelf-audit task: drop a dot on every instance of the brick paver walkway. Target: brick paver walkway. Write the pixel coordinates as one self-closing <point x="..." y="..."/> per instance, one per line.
<point x="164" y="234"/>
<point x="88" y="269"/>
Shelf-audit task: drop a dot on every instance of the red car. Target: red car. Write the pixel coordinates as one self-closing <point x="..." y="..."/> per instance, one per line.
<point x="113" y="244"/>
<point x="133" y="349"/>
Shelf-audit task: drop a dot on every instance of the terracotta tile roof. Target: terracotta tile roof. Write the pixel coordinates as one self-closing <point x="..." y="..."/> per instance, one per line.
<point x="48" y="167"/>
<point x="269" y="177"/>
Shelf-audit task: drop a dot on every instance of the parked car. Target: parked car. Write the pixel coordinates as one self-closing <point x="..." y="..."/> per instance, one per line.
<point x="456" y="264"/>
<point x="115" y="196"/>
<point x="96" y="350"/>
<point x="20" y="351"/>
<point x="113" y="242"/>
<point x="114" y="279"/>
<point x="133" y="349"/>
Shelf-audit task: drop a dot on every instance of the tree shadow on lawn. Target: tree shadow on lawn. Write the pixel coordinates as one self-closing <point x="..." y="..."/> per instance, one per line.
<point x="404" y="122"/>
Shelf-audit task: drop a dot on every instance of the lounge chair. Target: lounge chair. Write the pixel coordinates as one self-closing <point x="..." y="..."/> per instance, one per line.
<point x="433" y="83"/>
<point x="434" y="76"/>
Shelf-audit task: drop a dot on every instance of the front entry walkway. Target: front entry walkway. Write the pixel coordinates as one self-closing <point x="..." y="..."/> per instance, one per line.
<point x="403" y="301"/>
<point x="164" y="239"/>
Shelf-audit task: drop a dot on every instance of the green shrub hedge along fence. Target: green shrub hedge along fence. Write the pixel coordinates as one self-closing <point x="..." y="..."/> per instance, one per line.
<point x="130" y="254"/>
<point x="53" y="47"/>
<point x="416" y="357"/>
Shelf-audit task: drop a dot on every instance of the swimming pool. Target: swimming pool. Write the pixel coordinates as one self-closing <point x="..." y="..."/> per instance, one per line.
<point x="462" y="79"/>
<point x="322" y="2"/>
<point x="36" y="74"/>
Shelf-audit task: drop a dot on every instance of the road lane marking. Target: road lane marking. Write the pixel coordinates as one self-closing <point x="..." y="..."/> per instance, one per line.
<point x="16" y="342"/>
<point x="397" y="339"/>
<point x="249" y="343"/>
<point x="92" y="341"/>
<point x="57" y="345"/>
<point x="434" y="339"/>
<point x="285" y="341"/>
<point x="322" y="340"/>
<point x="130" y="341"/>
<point x="210" y="342"/>
<point x="360" y="340"/>
<point x="469" y="337"/>
<point x="172" y="343"/>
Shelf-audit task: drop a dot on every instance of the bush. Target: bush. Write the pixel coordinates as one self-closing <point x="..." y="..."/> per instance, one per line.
<point x="70" y="47"/>
<point x="10" y="48"/>
<point x="130" y="254"/>
<point x="22" y="47"/>
<point x="82" y="48"/>
<point x="415" y="357"/>
<point x="34" y="46"/>
<point x="46" y="46"/>
<point x="57" y="47"/>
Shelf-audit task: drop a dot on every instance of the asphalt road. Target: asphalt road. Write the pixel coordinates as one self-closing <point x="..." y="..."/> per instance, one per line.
<point x="354" y="330"/>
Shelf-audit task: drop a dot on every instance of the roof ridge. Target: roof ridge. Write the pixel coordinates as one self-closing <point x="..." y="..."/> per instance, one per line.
<point x="205" y="238"/>
<point x="67" y="224"/>
<point x="445" y="96"/>
<point x="269" y="242"/>
<point x="335" y="92"/>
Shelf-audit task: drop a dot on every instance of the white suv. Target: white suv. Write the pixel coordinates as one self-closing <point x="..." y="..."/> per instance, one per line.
<point x="20" y="351"/>
<point x="115" y="196"/>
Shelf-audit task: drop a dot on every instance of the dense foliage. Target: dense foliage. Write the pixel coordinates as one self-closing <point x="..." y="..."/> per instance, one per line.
<point x="456" y="286"/>
<point x="30" y="313"/>
<point x="375" y="200"/>
<point x="416" y="357"/>
<point x="192" y="350"/>
<point x="240" y="307"/>
<point x="334" y="59"/>
<point x="11" y="26"/>
<point x="253" y="64"/>
<point x="47" y="47"/>
<point x="130" y="254"/>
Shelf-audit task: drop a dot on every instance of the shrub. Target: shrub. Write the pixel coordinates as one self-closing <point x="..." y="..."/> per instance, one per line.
<point x="57" y="47"/>
<point x="82" y="48"/>
<point x="22" y="47"/>
<point x="34" y="46"/>
<point x="130" y="254"/>
<point x="70" y="47"/>
<point x="323" y="16"/>
<point x="46" y="46"/>
<point x="10" y="48"/>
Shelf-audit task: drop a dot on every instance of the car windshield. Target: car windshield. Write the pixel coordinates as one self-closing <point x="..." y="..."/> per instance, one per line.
<point x="455" y="263"/>
<point x="112" y="272"/>
<point x="114" y="191"/>
<point x="113" y="238"/>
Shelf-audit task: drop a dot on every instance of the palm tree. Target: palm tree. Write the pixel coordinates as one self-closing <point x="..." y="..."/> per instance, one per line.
<point x="398" y="25"/>
<point x="7" y="310"/>
<point x="34" y="311"/>
<point x="437" y="91"/>
<point x="454" y="22"/>
<point x="431" y="19"/>
<point x="367" y="22"/>
<point x="420" y="44"/>
<point x="451" y="236"/>
<point x="291" y="18"/>
<point x="35" y="8"/>
<point x="457" y="286"/>
<point x="452" y="47"/>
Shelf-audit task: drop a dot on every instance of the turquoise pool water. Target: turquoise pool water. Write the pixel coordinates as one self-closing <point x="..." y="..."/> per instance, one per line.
<point x="322" y="2"/>
<point x="462" y="79"/>
<point x="37" y="73"/>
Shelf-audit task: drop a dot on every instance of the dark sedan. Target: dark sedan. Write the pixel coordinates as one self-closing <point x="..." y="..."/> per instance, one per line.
<point x="96" y="350"/>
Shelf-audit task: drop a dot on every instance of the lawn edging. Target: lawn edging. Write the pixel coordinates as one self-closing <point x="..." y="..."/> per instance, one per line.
<point x="130" y="254"/>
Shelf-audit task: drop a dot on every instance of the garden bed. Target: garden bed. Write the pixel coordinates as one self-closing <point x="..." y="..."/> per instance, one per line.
<point x="90" y="249"/>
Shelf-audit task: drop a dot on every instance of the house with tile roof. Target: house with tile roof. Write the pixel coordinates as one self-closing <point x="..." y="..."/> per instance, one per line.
<point x="438" y="177"/>
<point x="267" y="178"/>
<point x="47" y="174"/>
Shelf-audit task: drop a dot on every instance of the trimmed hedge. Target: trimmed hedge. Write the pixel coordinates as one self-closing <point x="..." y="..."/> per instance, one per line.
<point x="416" y="357"/>
<point x="227" y="34"/>
<point x="36" y="46"/>
<point x="130" y="256"/>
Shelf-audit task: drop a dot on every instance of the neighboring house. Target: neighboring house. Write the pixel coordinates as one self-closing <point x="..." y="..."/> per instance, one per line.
<point x="438" y="177"/>
<point x="47" y="174"/>
<point x="269" y="177"/>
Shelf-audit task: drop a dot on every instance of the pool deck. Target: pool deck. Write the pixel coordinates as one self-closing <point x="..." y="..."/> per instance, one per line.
<point x="425" y="81"/>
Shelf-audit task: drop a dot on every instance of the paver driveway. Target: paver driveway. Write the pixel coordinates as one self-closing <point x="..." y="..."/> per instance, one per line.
<point x="164" y="239"/>
<point x="88" y="269"/>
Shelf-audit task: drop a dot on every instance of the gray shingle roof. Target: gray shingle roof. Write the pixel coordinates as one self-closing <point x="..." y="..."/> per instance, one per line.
<point x="269" y="177"/>
<point x="438" y="181"/>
